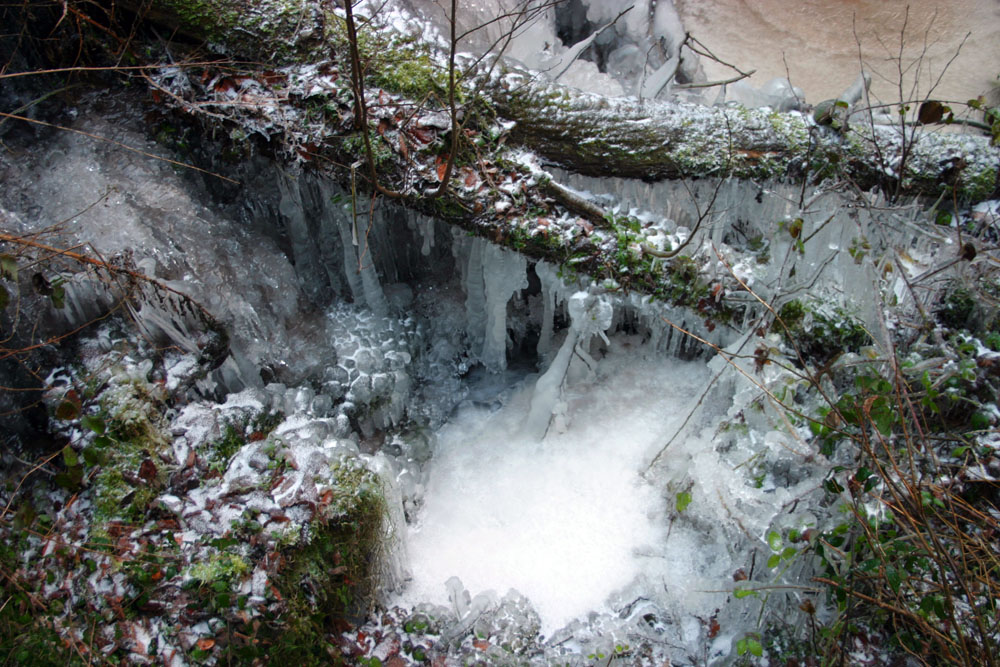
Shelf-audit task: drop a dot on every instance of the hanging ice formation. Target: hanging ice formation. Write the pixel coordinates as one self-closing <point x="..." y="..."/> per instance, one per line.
<point x="491" y="275"/>
<point x="590" y="315"/>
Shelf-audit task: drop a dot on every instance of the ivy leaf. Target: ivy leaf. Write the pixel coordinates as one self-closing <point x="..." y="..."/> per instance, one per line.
<point x="67" y="411"/>
<point x="94" y="456"/>
<point x="8" y="267"/>
<point x="70" y="457"/>
<point x="774" y="540"/>
<point x="931" y="111"/>
<point x="58" y="296"/>
<point x="93" y="423"/>
<point x="683" y="500"/>
<point x="795" y="227"/>
<point x="894" y="579"/>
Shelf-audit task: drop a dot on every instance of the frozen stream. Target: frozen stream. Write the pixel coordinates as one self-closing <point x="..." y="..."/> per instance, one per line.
<point x="568" y="521"/>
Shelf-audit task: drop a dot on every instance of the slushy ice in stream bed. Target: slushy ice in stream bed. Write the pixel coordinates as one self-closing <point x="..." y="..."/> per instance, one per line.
<point x="566" y="521"/>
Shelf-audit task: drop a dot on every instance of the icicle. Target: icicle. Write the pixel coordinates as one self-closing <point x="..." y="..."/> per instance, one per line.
<point x="350" y="259"/>
<point x="304" y="247"/>
<point x="504" y="272"/>
<point x="426" y="228"/>
<point x="328" y="235"/>
<point x="374" y="296"/>
<point x="589" y="315"/>
<point x="475" y="298"/>
<point x="549" y="279"/>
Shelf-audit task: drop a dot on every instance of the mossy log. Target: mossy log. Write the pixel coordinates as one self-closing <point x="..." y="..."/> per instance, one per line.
<point x="650" y="140"/>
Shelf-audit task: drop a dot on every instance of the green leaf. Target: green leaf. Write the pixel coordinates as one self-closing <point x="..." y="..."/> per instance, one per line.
<point x="884" y="419"/>
<point x="789" y="552"/>
<point x="741" y="593"/>
<point x="980" y="421"/>
<point x="755" y="648"/>
<point x="8" y="267"/>
<point x="773" y="561"/>
<point x="224" y="542"/>
<point x="69" y="456"/>
<point x="58" y="296"/>
<point x="67" y="411"/>
<point x="683" y="500"/>
<point x="94" y="456"/>
<point x="795" y="227"/>
<point x="893" y="577"/>
<point x="94" y="423"/>
<point x="102" y="441"/>
<point x="774" y="540"/>
<point x="70" y="479"/>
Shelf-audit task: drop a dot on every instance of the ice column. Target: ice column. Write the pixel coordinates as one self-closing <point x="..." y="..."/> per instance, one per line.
<point x="475" y="298"/>
<point x="359" y="267"/>
<point x="589" y="315"/>
<point x="303" y="244"/>
<point x="504" y="272"/>
<point x="550" y="283"/>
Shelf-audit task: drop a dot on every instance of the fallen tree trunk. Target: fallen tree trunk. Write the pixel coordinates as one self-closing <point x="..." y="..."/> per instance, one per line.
<point x="600" y="136"/>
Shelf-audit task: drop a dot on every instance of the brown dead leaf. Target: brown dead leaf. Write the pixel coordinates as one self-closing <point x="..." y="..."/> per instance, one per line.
<point x="422" y="135"/>
<point x="147" y="470"/>
<point x="205" y="643"/>
<point x="442" y="168"/>
<point x="470" y="177"/>
<point x="403" y="150"/>
<point x="383" y="127"/>
<point x="713" y="628"/>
